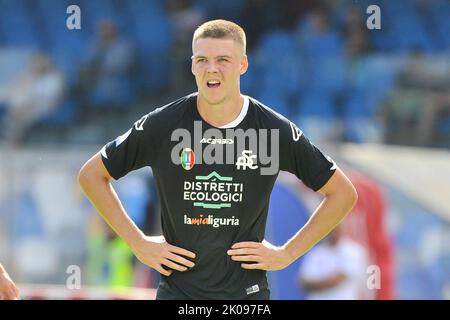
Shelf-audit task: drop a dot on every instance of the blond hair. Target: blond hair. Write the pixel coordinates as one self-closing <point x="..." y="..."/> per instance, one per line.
<point x="220" y="29"/>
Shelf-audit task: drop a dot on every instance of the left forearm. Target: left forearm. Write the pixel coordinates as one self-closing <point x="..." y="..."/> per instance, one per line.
<point x="340" y="197"/>
<point x="329" y="213"/>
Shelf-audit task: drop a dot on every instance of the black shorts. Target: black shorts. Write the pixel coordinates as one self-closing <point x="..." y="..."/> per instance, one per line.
<point x="168" y="295"/>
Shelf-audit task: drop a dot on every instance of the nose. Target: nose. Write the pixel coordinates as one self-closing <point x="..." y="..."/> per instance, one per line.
<point x="212" y="67"/>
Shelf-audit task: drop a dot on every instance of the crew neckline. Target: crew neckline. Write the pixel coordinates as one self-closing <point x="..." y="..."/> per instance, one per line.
<point x="239" y="118"/>
<point x="233" y="123"/>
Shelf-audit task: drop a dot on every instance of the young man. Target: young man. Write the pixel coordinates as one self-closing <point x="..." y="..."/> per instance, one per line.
<point x="215" y="156"/>
<point x="8" y="290"/>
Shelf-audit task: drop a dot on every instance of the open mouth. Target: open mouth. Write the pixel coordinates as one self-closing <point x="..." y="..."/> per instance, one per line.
<point x="213" y="83"/>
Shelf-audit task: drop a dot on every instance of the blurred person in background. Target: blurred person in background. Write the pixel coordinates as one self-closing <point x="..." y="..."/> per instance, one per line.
<point x="434" y="128"/>
<point x="8" y="289"/>
<point x="36" y="93"/>
<point x="420" y="102"/>
<point x="109" y="260"/>
<point x="226" y="257"/>
<point x="107" y="70"/>
<point x="335" y="269"/>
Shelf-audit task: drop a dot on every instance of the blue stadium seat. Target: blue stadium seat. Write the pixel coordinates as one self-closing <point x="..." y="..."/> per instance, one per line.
<point x="152" y="34"/>
<point x="275" y="101"/>
<point x="96" y="11"/>
<point x="416" y="36"/>
<point x="250" y="81"/>
<point x="134" y="193"/>
<point x="113" y="93"/>
<point x="439" y="12"/>
<point x="285" y="76"/>
<point x="230" y="9"/>
<point x="287" y="214"/>
<point x="52" y="9"/>
<point x="138" y="7"/>
<point x="379" y="79"/>
<point x="67" y="60"/>
<point x="64" y="115"/>
<point x="358" y="105"/>
<point x="315" y="114"/>
<point x="359" y="120"/>
<point x="315" y="45"/>
<point x="317" y="104"/>
<point x="9" y="7"/>
<point x="53" y="18"/>
<point x="27" y="220"/>
<point x="281" y="70"/>
<point x="328" y="44"/>
<point x="19" y="30"/>
<point x="278" y="41"/>
<point x="327" y="74"/>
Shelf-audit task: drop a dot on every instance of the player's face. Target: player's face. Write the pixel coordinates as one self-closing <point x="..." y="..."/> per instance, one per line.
<point x="217" y="65"/>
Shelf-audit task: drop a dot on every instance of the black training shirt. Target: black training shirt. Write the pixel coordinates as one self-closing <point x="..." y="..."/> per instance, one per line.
<point x="212" y="192"/>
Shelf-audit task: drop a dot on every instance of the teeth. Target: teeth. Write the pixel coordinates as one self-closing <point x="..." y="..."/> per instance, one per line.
<point x="213" y="82"/>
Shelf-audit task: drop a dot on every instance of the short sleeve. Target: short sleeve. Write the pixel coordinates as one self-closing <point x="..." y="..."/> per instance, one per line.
<point x="133" y="150"/>
<point x="302" y="158"/>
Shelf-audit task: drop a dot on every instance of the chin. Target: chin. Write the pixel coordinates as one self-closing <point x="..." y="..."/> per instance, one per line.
<point x="213" y="98"/>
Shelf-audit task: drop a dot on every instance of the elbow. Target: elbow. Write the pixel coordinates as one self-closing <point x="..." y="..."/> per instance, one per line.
<point x="86" y="175"/>
<point x="352" y="197"/>
<point x="83" y="176"/>
<point x="348" y="197"/>
<point x="91" y="174"/>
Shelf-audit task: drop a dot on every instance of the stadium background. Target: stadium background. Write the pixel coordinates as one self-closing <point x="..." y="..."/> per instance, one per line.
<point x="378" y="101"/>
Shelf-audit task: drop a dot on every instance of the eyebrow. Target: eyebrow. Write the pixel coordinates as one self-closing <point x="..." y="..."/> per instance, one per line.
<point x="222" y="56"/>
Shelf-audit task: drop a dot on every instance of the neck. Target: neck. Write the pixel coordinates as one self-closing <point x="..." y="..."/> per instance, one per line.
<point x="221" y="113"/>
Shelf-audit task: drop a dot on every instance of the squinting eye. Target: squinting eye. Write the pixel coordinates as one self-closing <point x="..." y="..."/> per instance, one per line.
<point x="201" y="60"/>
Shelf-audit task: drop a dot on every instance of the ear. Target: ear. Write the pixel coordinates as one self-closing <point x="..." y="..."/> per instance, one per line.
<point x="244" y="65"/>
<point x="192" y="65"/>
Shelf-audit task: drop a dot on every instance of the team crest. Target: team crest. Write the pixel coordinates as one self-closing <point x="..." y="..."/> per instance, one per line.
<point x="187" y="158"/>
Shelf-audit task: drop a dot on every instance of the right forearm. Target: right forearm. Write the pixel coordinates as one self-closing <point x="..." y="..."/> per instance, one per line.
<point x="104" y="198"/>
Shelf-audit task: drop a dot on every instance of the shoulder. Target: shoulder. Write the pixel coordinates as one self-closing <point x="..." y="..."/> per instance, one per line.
<point x="175" y="109"/>
<point x="167" y="116"/>
<point x="265" y="112"/>
<point x="272" y="119"/>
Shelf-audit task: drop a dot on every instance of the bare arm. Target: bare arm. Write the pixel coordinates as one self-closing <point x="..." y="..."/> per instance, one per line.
<point x="94" y="179"/>
<point x="340" y="197"/>
<point x="8" y="290"/>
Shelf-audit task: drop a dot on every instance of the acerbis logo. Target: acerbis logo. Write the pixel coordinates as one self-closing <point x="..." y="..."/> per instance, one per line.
<point x="187" y="158"/>
<point x="217" y="141"/>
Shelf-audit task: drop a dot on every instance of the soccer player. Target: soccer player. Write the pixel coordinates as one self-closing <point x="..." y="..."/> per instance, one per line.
<point x="215" y="156"/>
<point x="8" y="290"/>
